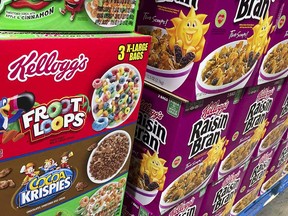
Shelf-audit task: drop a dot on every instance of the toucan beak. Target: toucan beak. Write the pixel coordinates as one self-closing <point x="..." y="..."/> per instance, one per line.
<point x="24" y="101"/>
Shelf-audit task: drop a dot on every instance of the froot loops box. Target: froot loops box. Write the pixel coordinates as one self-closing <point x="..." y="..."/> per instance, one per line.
<point x="58" y="89"/>
<point x="69" y="15"/>
<point x="250" y="124"/>
<point x="274" y="62"/>
<point x="178" y="146"/>
<point x="202" y="48"/>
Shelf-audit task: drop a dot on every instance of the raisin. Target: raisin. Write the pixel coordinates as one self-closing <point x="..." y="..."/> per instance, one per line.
<point x="214" y="81"/>
<point x="187" y="59"/>
<point x="178" y="53"/>
<point x="146" y="179"/>
<point x="153" y="185"/>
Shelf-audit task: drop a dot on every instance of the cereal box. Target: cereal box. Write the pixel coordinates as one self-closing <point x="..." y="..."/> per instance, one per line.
<point x="190" y="206"/>
<point x="252" y="181"/>
<point x="54" y="94"/>
<point x="249" y="126"/>
<point x="69" y="177"/>
<point x="278" y="121"/>
<point x="274" y="62"/>
<point x="276" y="168"/>
<point x="69" y="15"/>
<point x="177" y="147"/>
<point x="199" y="51"/>
<point x="220" y="195"/>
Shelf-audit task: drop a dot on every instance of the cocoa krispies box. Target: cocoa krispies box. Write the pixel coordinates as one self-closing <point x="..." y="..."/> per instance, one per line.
<point x="87" y="177"/>
<point x="177" y="147"/>
<point x="278" y="121"/>
<point x="190" y="206"/>
<point x="69" y="15"/>
<point x="249" y="126"/>
<point x="274" y="62"/>
<point x="276" y="168"/>
<point x="252" y="181"/>
<point x="202" y="48"/>
<point x="57" y="89"/>
<point x="220" y="195"/>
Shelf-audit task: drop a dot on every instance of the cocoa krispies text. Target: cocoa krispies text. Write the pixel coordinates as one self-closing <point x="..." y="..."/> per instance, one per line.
<point x="249" y="126"/>
<point x="199" y="51"/>
<point x="252" y="181"/>
<point x="190" y="206"/>
<point x="274" y="63"/>
<point x="220" y="195"/>
<point x="69" y="15"/>
<point x="177" y="148"/>
<point x="277" y="166"/>
<point x="57" y="89"/>
<point x="69" y="179"/>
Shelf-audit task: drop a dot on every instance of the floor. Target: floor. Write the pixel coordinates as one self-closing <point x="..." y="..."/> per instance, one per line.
<point x="278" y="206"/>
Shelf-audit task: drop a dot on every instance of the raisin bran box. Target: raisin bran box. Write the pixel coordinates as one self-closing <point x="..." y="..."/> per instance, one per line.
<point x="276" y="168"/>
<point x="249" y="125"/>
<point x="177" y="147"/>
<point x="69" y="15"/>
<point x="190" y="206"/>
<point x="278" y="121"/>
<point x="274" y="62"/>
<point x="252" y="181"/>
<point x="202" y="48"/>
<point x="71" y="179"/>
<point x="220" y="195"/>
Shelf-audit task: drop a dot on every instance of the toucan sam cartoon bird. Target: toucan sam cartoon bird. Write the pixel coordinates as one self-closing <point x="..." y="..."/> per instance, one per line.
<point x="19" y="103"/>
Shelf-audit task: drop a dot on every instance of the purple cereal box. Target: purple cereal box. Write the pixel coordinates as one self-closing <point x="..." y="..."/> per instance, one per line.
<point x="276" y="168"/>
<point x="220" y="195"/>
<point x="252" y="181"/>
<point x="188" y="207"/>
<point x="278" y="121"/>
<point x="274" y="64"/>
<point x="178" y="146"/>
<point x="248" y="127"/>
<point x="202" y="48"/>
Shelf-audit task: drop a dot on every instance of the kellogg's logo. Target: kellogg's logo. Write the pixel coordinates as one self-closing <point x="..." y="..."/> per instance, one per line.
<point x="187" y="3"/>
<point x="57" y="116"/>
<point x="47" y="64"/>
<point x="184" y="209"/>
<point x="248" y="9"/>
<point x="265" y="93"/>
<point x="214" y="108"/>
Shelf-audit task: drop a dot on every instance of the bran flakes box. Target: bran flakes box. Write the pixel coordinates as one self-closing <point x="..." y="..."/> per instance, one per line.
<point x="274" y="62"/>
<point x="63" y="179"/>
<point x="69" y="15"/>
<point x="53" y="94"/>
<point x="278" y="121"/>
<point x="252" y="181"/>
<point x="199" y="51"/>
<point x="249" y="125"/>
<point x="220" y="195"/>
<point x="276" y="168"/>
<point x="176" y="142"/>
<point x="188" y="207"/>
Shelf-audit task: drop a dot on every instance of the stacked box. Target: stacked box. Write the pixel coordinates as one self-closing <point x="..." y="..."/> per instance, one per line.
<point x="69" y="15"/>
<point x="199" y="51"/>
<point x="177" y="142"/>
<point x="276" y="168"/>
<point x="249" y="126"/>
<point x="220" y="195"/>
<point x="68" y="118"/>
<point x="274" y="62"/>
<point x="252" y="181"/>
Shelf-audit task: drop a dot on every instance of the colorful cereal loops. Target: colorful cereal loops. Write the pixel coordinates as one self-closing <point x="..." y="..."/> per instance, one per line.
<point x="115" y="96"/>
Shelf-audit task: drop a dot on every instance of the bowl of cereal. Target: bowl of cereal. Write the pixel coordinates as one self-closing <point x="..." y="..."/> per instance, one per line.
<point x="272" y="181"/>
<point x="226" y="68"/>
<point x="164" y="69"/>
<point x="272" y="138"/>
<point x="115" y="96"/>
<point x="236" y="157"/>
<point x="109" y="157"/>
<point x="275" y="62"/>
<point x="143" y="196"/>
<point x="190" y="182"/>
<point x="108" y="13"/>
